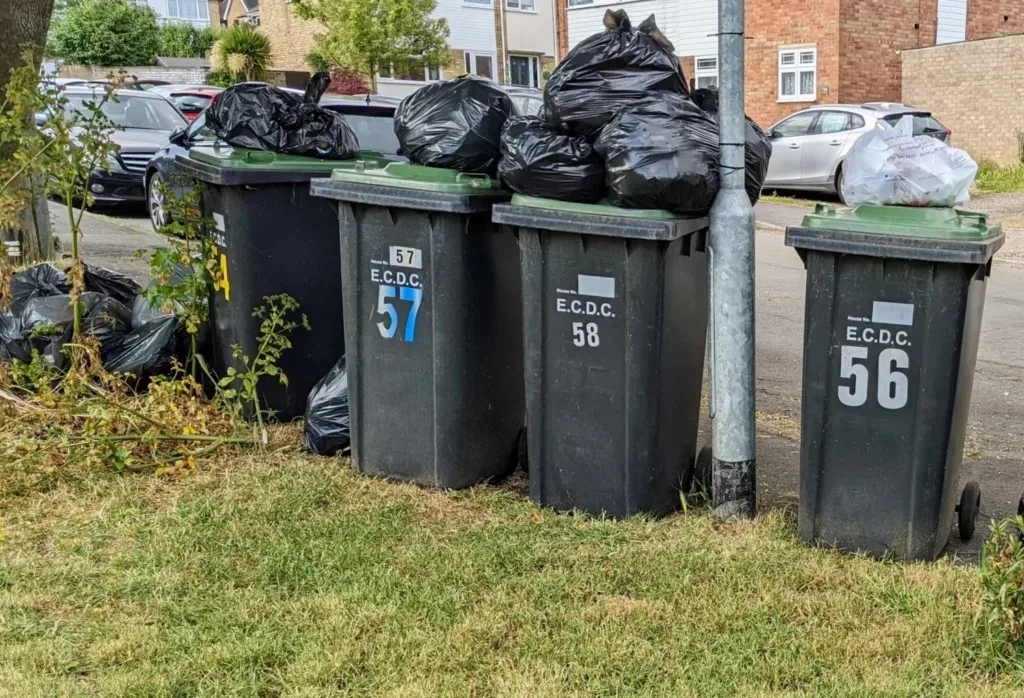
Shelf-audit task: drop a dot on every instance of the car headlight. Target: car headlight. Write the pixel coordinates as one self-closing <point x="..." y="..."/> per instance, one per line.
<point x="113" y="164"/>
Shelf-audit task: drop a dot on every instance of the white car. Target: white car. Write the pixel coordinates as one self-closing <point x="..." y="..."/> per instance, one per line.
<point x="808" y="147"/>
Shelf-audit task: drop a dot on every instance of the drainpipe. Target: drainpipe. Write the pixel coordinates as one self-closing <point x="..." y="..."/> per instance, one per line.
<point x="731" y="259"/>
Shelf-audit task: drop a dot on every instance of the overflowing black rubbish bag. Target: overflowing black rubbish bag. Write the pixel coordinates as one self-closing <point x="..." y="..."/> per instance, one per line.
<point x="609" y="71"/>
<point x="662" y="153"/>
<point x="455" y="124"/>
<point x="327" y="425"/>
<point x="758" y="147"/>
<point x="264" y="117"/>
<point x="133" y="336"/>
<point x="539" y="160"/>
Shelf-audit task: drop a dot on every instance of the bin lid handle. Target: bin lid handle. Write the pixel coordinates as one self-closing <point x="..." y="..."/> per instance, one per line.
<point x="980" y="219"/>
<point x="477" y="181"/>
<point x="824" y="209"/>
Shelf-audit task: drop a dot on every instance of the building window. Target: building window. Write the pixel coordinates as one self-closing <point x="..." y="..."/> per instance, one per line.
<point x="706" y="72"/>
<point x="481" y="3"/>
<point x="412" y="70"/>
<point x="578" y="3"/>
<point x="798" y="75"/>
<point x="188" y="9"/>
<point x="524" y="70"/>
<point x="481" y="64"/>
<point x="525" y="5"/>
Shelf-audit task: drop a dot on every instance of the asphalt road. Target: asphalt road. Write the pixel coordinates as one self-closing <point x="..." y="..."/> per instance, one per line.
<point x="995" y="443"/>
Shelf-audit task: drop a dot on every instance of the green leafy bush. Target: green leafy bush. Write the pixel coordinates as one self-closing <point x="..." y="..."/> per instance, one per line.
<point x="186" y="41"/>
<point x="242" y="52"/>
<point x="1001" y="616"/>
<point x="106" y="32"/>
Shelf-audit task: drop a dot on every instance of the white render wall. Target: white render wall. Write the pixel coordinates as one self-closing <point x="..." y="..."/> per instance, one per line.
<point x="691" y="25"/>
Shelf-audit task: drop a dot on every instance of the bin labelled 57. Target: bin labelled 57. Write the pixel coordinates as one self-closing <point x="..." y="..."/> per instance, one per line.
<point x="395" y="283"/>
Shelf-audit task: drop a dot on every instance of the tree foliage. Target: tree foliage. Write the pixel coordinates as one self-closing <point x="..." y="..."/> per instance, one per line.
<point x="242" y="52"/>
<point x="185" y="41"/>
<point x="368" y="34"/>
<point x="106" y="32"/>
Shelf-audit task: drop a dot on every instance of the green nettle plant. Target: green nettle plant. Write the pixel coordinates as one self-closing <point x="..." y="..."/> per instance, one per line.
<point x="1000" y="620"/>
<point x="184" y="271"/>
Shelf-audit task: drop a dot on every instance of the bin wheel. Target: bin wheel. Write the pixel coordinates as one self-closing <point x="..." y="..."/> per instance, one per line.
<point x="967" y="512"/>
<point x="701" y="480"/>
<point x="522" y="454"/>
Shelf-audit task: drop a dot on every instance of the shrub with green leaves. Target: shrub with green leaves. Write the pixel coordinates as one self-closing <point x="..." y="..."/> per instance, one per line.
<point x="1001" y="615"/>
<point x="107" y="33"/>
<point x="186" y="41"/>
<point x="242" y="52"/>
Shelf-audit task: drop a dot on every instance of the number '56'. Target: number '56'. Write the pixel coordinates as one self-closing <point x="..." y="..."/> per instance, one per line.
<point x="892" y="385"/>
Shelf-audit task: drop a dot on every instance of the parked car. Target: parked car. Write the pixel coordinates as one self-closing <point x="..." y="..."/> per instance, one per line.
<point x="145" y="124"/>
<point x="528" y="100"/>
<point x="809" y="147"/>
<point x="190" y="100"/>
<point x="371" y="117"/>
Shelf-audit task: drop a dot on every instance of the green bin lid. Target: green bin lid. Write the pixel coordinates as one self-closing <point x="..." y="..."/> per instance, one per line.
<point x="599" y="209"/>
<point x="408" y="176"/>
<point x="264" y="160"/>
<point x="899" y="232"/>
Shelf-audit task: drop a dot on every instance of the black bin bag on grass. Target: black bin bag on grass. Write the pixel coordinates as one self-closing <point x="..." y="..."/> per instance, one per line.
<point x="609" y="71"/>
<point x="39" y="281"/>
<point x="758" y="147"/>
<point x="454" y="124"/>
<point x="662" y="153"/>
<point x="263" y="117"/>
<point x="539" y="160"/>
<point x="327" y="425"/>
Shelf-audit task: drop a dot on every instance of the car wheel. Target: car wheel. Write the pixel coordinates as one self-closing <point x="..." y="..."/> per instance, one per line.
<point x="839" y="185"/>
<point x="156" y="202"/>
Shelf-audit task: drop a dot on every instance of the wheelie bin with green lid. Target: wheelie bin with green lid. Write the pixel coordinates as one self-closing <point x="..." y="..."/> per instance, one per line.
<point x="615" y="307"/>
<point x="893" y="315"/>
<point x="273" y="238"/>
<point x="433" y="324"/>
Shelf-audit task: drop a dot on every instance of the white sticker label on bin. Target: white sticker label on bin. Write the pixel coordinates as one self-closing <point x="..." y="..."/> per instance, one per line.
<point x="587" y="332"/>
<point x="406" y="257"/>
<point x="893" y="362"/>
<point x="599" y="286"/>
<point x="218" y="221"/>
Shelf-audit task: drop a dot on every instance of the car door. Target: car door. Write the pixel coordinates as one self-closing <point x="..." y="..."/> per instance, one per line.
<point x="788" y="136"/>
<point x="823" y="147"/>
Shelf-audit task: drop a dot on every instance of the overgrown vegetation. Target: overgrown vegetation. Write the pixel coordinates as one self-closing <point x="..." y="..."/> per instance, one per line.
<point x="371" y="35"/>
<point x="185" y="41"/>
<point x="241" y="52"/>
<point x="106" y="33"/>
<point x="1000" y="619"/>
<point x="999" y="180"/>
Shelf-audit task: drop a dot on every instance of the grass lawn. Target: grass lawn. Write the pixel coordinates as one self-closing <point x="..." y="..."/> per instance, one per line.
<point x="287" y="575"/>
<point x="997" y="180"/>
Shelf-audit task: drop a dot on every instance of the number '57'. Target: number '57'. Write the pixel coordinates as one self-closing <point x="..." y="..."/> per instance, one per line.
<point x="389" y="327"/>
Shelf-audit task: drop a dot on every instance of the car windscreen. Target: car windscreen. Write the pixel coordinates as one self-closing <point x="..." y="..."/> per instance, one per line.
<point x="374" y="132"/>
<point x="924" y="124"/>
<point x="131" y="112"/>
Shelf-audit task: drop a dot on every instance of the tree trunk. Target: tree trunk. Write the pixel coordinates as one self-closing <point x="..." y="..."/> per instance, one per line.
<point x="23" y="27"/>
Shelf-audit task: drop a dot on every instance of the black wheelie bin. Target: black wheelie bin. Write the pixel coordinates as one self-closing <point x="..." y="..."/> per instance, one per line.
<point x="433" y="324"/>
<point x="615" y="307"/>
<point x="893" y="315"/>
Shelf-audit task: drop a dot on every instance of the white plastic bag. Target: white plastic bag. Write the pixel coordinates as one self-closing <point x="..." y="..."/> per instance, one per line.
<point x="890" y="166"/>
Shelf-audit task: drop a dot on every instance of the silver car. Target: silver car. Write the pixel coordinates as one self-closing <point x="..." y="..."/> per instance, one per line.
<point x="808" y="147"/>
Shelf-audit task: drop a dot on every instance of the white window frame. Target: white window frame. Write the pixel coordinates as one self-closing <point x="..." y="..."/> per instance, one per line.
<point x="203" y="11"/>
<point x="705" y="73"/>
<point x="534" y="69"/>
<point x="798" y="66"/>
<point x="472" y="55"/>
<point x="402" y="81"/>
<point x="517" y="6"/>
<point x="579" y="3"/>
<point x="478" y="3"/>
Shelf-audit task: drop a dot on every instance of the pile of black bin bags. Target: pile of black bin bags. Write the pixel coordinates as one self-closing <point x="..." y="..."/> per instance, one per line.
<point x="135" y="338"/>
<point x="618" y="125"/>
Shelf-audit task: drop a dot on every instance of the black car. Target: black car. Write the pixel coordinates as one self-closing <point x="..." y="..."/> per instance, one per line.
<point x="145" y="123"/>
<point x="371" y="117"/>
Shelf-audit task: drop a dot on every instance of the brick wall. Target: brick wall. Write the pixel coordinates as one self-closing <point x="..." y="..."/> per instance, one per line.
<point x="688" y="64"/>
<point x="775" y="24"/>
<point x="983" y="106"/>
<point x="291" y="38"/>
<point x="144" y="72"/>
<point x="991" y="18"/>
<point x="871" y="35"/>
<point x="501" y="41"/>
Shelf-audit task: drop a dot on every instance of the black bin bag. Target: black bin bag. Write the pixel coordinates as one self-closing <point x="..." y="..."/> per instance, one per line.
<point x="454" y="124"/>
<point x="758" y="147"/>
<point x="327" y="425"/>
<point x="609" y="71"/>
<point x="662" y="153"/>
<point x="539" y="160"/>
<point x="264" y="117"/>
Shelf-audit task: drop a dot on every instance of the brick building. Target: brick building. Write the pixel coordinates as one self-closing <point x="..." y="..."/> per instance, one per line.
<point x="802" y="52"/>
